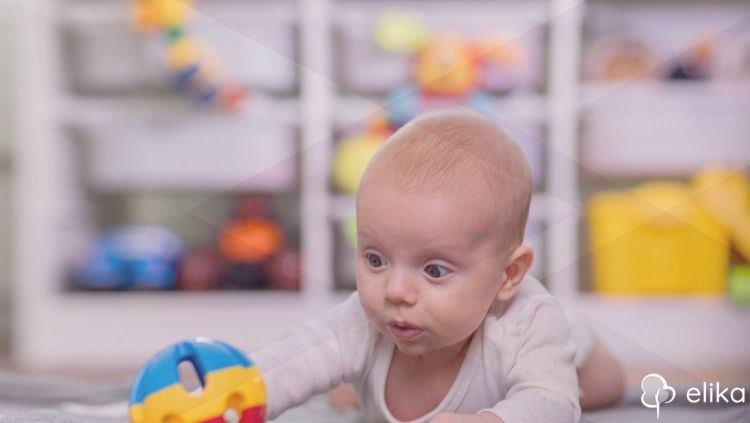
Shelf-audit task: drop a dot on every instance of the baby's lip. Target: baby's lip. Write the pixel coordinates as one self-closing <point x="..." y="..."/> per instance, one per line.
<point x="403" y="330"/>
<point x="402" y="324"/>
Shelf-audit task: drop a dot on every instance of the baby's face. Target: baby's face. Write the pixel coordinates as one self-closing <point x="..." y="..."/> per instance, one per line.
<point x="425" y="274"/>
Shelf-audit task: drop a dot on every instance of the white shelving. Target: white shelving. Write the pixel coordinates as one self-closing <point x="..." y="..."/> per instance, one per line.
<point x="58" y="329"/>
<point x="705" y="121"/>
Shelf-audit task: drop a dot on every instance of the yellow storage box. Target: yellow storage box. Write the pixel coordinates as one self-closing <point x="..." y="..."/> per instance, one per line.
<point x="654" y="239"/>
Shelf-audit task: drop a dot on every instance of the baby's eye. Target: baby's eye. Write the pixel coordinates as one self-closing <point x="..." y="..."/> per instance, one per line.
<point x="374" y="260"/>
<point x="436" y="271"/>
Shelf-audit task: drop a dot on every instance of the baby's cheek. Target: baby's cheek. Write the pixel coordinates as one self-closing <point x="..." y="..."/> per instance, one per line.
<point x="460" y="319"/>
<point x="368" y="301"/>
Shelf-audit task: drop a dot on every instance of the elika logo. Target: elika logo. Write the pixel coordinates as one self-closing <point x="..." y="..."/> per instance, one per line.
<point x="656" y="391"/>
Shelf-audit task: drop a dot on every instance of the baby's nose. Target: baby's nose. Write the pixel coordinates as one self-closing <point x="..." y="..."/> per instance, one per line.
<point x="401" y="288"/>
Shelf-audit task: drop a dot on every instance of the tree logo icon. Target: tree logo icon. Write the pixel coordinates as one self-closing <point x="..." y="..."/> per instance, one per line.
<point x="656" y="391"/>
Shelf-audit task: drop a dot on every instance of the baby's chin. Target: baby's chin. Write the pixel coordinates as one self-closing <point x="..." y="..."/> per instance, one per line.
<point x="411" y="349"/>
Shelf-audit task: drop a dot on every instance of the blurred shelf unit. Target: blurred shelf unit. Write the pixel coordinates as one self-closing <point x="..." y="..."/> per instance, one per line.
<point x="92" y="84"/>
<point x="665" y="93"/>
<point x="101" y="121"/>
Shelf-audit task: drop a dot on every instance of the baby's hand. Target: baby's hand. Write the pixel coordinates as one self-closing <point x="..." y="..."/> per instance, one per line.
<point x="466" y="418"/>
<point x="343" y="398"/>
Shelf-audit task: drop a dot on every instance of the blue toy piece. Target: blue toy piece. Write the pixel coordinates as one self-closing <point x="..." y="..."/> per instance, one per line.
<point x="406" y="102"/>
<point x="230" y="383"/>
<point x="132" y="257"/>
<point x="402" y="104"/>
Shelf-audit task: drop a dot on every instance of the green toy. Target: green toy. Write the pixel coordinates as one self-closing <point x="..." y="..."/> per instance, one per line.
<point x="739" y="285"/>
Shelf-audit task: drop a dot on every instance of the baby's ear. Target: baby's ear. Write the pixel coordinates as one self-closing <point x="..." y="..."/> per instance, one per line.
<point x="516" y="267"/>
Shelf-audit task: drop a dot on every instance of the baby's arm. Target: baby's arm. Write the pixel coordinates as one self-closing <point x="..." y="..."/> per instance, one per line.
<point x="543" y="382"/>
<point x="484" y="417"/>
<point x="315" y="358"/>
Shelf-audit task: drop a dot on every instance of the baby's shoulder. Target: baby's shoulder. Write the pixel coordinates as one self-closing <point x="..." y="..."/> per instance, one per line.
<point x="517" y="313"/>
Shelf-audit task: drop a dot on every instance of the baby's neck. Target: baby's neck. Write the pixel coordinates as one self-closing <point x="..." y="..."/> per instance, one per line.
<point x="417" y="384"/>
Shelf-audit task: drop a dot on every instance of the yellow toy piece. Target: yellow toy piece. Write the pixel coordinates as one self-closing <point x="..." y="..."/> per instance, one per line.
<point x="176" y="405"/>
<point x="725" y="194"/>
<point x="654" y="239"/>
<point x="447" y="66"/>
<point x="401" y="31"/>
<point x="149" y="15"/>
<point x="182" y="53"/>
<point x="350" y="230"/>
<point x="351" y="158"/>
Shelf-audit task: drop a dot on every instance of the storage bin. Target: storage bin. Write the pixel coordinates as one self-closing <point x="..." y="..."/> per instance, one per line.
<point x="200" y="151"/>
<point x="665" y="128"/>
<point x="255" y="45"/>
<point x="656" y="239"/>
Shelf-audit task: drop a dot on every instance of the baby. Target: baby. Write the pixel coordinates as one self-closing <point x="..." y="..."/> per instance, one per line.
<point x="445" y="326"/>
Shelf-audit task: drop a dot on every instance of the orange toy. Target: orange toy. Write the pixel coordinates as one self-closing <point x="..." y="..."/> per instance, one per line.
<point x="250" y="240"/>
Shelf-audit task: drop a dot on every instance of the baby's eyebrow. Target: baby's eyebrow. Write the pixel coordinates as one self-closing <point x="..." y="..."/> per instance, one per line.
<point x="447" y="250"/>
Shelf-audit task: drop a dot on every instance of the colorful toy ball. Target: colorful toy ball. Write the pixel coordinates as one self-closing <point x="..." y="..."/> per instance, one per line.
<point x="230" y="385"/>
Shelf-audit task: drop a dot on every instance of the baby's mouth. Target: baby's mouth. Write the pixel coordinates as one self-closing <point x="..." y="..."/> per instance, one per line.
<point x="403" y="331"/>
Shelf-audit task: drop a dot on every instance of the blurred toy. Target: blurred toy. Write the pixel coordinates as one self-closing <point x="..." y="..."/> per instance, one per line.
<point x="251" y="239"/>
<point x="351" y="158"/>
<point x="193" y="65"/>
<point x="401" y="31"/>
<point x="739" y="285"/>
<point x="200" y="270"/>
<point x="695" y="63"/>
<point x="232" y="388"/>
<point x="450" y="64"/>
<point x="246" y="244"/>
<point x="449" y="69"/>
<point x="132" y="257"/>
<point x="673" y="238"/>
<point x="656" y="239"/>
<point x="350" y="230"/>
<point x="725" y="195"/>
<point x="622" y="58"/>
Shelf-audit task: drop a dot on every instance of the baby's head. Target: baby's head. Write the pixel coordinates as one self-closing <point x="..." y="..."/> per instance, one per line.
<point x="441" y="211"/>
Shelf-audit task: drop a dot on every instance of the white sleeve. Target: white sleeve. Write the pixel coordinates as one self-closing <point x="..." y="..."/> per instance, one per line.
<point x="543" y="384"/>
<point x="314" y="358"/>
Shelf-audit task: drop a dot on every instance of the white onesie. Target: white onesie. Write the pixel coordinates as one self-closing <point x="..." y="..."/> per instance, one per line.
<point x="520" y="363"/>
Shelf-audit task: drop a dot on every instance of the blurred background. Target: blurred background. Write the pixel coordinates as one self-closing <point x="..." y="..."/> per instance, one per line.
<point x="170" y="170"/>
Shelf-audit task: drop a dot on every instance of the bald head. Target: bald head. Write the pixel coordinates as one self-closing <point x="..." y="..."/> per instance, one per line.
<point x="456" y="152"/>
